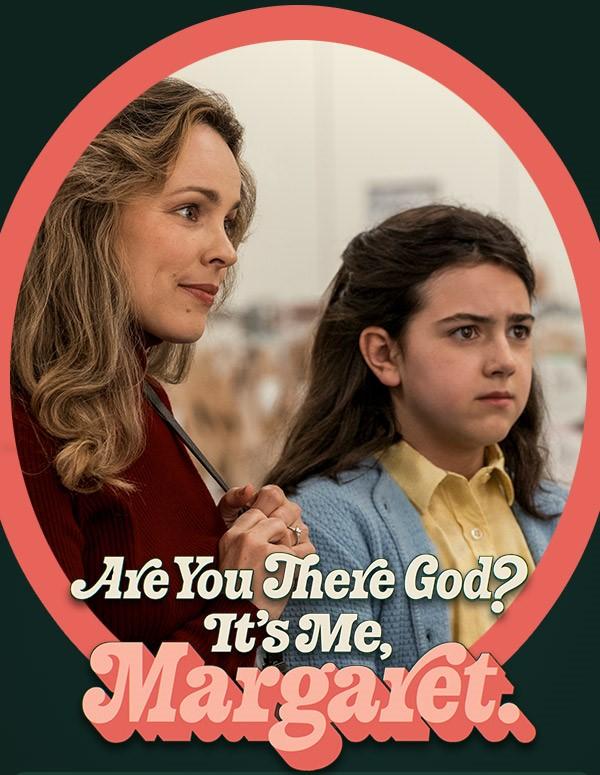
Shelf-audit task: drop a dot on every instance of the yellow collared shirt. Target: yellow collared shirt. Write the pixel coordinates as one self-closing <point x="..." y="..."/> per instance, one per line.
<point x="465" y="519"/>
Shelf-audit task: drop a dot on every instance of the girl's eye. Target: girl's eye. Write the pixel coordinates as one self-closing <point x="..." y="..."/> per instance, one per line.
<point x="229" y="225"/>
<point x="189" y="212"/>
<point x="464" y="333"/>
<point x="521" y="332"/>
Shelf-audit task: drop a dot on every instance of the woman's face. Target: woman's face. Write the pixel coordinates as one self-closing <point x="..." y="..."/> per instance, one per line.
<point x="176" y="245"/>
<point x="465" y="362"/>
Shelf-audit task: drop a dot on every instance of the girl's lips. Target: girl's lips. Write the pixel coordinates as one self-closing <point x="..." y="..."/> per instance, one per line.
<point x="497" y="399"/>
<point x="206" y="293"/>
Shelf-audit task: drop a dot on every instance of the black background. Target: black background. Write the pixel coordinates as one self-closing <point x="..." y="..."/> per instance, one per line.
<point x="53" y="56"/>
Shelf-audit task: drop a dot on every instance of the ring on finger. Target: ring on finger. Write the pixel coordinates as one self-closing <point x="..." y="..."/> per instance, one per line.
<point x="297" y="532"/>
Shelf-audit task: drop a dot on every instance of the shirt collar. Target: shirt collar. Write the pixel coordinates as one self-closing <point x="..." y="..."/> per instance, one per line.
<point x="419" y="477"/>
<point x="494" y="465"/>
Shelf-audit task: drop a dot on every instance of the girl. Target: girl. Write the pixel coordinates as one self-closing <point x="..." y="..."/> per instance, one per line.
<point x="135" y="249"/>
<point x="419" y="433"/>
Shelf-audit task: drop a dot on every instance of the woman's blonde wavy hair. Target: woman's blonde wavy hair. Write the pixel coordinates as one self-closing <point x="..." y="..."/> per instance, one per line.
<point x="77" y="353"/>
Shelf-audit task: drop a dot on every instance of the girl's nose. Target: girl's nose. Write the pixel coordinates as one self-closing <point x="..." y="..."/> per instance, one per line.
<point x="500" y="357"/>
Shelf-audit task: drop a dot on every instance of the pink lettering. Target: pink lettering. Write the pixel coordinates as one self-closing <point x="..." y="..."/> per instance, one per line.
<point x="306" y="713"/>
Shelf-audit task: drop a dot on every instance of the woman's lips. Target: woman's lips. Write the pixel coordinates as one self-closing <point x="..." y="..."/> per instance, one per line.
<point x="203" y="293"/>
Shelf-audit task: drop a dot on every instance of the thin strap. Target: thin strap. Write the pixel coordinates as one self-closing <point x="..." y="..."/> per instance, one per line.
<point x="167" y="416"/>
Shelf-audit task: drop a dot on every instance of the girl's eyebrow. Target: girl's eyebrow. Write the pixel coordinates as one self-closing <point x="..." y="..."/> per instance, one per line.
<point x="470" y="317"/>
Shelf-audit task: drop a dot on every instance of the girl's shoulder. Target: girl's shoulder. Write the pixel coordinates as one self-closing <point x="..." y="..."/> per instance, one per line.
<point x="551" y="497"/>
<point x="346" y="486"/>
<point x="346" y="497"/>
<point x="343" y="516"/>
<point x="362" y="497"/>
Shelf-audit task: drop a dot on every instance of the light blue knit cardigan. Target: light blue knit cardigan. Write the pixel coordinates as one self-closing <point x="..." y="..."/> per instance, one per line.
<point x="367" y="516"/>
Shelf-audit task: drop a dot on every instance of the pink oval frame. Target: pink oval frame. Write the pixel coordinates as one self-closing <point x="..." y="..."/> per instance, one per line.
<point x="335" y="26"/>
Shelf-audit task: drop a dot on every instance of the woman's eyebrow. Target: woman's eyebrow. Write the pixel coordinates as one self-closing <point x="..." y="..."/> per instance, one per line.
<point x="213" y="196"/>
<point x="470" y="317"/>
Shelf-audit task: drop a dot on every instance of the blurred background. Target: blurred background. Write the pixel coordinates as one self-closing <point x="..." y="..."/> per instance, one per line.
<point x="339" y="138"/>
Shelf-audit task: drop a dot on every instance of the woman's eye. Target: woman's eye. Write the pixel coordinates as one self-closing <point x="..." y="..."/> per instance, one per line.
<point x="465" y="332"/>
<point x="189" y="212"/>
<point x="521" y="332"/>
<point x="230" y="224"/>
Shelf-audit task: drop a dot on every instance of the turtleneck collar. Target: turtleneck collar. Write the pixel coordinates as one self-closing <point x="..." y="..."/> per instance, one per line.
<point x="145" y="342"/>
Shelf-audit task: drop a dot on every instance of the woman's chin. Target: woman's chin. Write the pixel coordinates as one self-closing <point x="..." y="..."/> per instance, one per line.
<point x="185" y="338"/>
<point x="180" y="335"/>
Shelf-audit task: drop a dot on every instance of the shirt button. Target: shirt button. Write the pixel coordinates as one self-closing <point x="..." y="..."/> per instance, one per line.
<point x="476" y="533"/>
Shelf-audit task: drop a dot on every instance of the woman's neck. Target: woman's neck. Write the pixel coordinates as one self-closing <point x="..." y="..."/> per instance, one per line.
<point x="149" y="340"/>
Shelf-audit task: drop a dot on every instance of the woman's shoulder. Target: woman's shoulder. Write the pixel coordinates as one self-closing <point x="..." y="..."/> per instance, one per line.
<point x="32" y="441"/>
<point x="20" y="408"/>
<point x="159" y="390"/>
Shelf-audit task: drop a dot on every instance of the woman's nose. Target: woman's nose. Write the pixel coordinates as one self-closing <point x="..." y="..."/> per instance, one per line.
<point x="220" y="250"/>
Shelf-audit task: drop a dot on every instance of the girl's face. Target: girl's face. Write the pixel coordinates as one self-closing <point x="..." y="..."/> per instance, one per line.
<point x="464" y="363"/>
<point x="175" y="244"/>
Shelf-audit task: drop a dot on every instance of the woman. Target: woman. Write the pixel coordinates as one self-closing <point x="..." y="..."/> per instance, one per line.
<point x="135" y="249"/>
<point x="420" y="430"/>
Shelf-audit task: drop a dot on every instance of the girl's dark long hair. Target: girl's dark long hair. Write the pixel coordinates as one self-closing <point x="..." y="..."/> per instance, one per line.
<point x="347" y="414"/>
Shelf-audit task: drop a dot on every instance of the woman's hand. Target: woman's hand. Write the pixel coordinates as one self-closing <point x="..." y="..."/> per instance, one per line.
<point x="270" y="500"/>
<point x="235" y="500"/>
<point x="262" y="529"/>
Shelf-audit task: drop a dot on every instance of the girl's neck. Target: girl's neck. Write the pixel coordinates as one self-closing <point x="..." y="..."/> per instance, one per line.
<point x="465" y="462"/>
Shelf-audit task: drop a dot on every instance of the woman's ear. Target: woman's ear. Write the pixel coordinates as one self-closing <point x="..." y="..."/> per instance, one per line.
<point x="381" y="354"/>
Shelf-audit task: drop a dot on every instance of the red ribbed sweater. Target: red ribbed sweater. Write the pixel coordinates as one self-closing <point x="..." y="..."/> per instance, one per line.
<point x="170" y="514"/>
